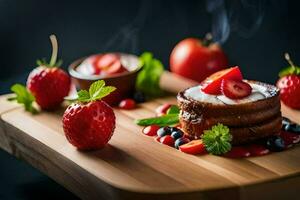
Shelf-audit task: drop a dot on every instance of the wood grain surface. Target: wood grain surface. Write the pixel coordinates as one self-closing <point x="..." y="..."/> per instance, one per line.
<point x="134" y="166"/>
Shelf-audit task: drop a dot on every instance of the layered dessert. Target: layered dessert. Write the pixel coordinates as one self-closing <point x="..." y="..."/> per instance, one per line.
<point x="251" y="109"/>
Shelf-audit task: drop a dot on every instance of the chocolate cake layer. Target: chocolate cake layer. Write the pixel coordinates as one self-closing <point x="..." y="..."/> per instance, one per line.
<point x="241" y="135"/>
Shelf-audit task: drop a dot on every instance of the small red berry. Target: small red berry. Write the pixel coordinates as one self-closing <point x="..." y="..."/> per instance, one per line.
<point x="162" y="110"/>
<point x="151" y="130"/>
<point x="168" y="140"/>
<point x="127" y="104"/>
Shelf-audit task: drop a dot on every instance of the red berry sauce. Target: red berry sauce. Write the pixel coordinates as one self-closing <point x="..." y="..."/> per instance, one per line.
<point x="257" y="150"/>
<point x="238" y="152"/>
<point x="290" y="138"/>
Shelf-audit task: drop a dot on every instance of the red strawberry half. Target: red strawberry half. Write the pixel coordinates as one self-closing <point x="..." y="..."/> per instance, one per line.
<point x="212" y="84"/>
<point x="89" y="123"/>
<point x="234" y="89"/>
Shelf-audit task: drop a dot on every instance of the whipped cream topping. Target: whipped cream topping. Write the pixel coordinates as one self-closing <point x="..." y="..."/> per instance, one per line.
<point x="258" y="92"/>
<point x="129" y="62"/>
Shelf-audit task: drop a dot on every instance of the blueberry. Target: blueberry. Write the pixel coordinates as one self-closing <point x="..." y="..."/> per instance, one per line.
<point x="286" y="121"/>
<point x="181" y="141"/>
<point x="139" y="97"/>
<point x="177" y="134"/>
<point x="292" y="128"/>
<point x="174" y="129"/>
<point x="287" y="125"/>
<point x="164" y="131"/>
<point x="275" y="143"/>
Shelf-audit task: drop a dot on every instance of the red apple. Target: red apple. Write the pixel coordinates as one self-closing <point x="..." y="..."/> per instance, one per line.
<point x="196" y="59"/>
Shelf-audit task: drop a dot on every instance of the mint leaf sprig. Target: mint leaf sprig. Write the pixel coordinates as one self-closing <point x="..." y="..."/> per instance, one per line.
<point x="23" y="96"/>
<point x="53" y="60"/>
<point x="148" y="78"/>
<point x="97" y="91"/>
<point x="169" y="119"/>
<point x="217" y="139"/>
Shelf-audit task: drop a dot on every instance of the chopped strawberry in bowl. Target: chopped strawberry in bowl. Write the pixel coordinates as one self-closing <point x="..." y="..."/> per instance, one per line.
<point x="108" y="64"/>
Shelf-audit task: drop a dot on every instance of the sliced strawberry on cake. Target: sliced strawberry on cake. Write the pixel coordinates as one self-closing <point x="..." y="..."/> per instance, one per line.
<point x="212" y="84"/>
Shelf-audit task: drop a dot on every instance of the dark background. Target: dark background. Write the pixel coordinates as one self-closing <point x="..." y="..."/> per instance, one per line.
<point x="86" y="27"/>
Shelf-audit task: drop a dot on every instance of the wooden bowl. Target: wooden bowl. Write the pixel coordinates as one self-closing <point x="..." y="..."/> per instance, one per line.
<point x="124" y="82"/>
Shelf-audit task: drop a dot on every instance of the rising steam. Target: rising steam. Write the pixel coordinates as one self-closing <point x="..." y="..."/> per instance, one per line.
<point x="243" y="17"/>
<point x="126" y="39"/>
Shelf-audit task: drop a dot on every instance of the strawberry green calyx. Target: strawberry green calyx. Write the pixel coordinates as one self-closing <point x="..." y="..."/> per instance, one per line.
<point x="292" y="69"/>
<point x="23" y="96"/>
<point x="217" y="139"/>
<point x="53" y="60"/>
<point x="97" y="91"/>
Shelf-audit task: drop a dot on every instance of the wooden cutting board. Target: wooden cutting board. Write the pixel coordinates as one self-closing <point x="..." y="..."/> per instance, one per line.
<point x="134" y="166"/>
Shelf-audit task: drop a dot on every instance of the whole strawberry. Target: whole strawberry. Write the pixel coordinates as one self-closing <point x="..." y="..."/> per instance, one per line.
<point x="289" y="84"/>
<point x="89" y="123"/>
<point x="49" y="84"/>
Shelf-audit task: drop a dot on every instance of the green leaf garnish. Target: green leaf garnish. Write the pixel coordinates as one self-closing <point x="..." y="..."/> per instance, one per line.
<point x="217" y="140"/>
<point x="53" y="61"/>
<point x="165" y="120"/>
<point x="23" y="96"/>
<point x="173" y="110"/>
<point x="148" y="78"/>
<point x="97" y="91"/>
